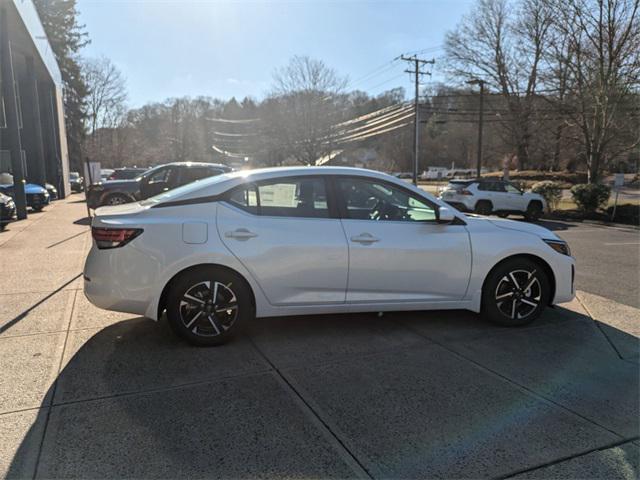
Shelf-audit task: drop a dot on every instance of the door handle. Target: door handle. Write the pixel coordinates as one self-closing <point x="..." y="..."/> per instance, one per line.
<point x="240" y="234"/>
<point x="365" y="238"/>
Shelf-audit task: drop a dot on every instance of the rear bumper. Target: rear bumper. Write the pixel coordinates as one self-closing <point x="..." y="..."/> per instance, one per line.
<point x="119" y="279"/>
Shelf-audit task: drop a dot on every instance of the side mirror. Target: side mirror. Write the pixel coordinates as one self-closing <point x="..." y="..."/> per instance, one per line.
<point x="445" y="215"/>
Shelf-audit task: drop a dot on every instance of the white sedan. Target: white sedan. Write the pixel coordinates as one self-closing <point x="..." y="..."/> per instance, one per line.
<point x="308" y="240"/>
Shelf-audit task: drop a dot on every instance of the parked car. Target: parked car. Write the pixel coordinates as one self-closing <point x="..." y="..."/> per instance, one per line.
<point x="53" y="191"/>
<point x="152" y="182"/>
<point x="126" y="173"/>
<point x="76" y="181"/>
<point x="305" y="240"/>
<point x="7" y="210"/>
<point x="493" y="196"/>
<point x="37" y="196"/>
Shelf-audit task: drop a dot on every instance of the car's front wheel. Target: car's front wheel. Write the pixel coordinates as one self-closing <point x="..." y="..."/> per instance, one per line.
<point x="206" y="306"/>
<point x="516" y="292"/>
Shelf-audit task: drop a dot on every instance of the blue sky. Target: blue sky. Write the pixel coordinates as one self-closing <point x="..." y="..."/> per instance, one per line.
<point x="224" y="49"/>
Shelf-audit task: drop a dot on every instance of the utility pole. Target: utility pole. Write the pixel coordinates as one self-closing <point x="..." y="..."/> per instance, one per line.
<point x="480" y="123"/>
<point x="416" y="134"/>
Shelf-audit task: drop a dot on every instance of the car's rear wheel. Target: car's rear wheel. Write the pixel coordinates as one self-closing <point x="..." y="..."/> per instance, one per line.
<point x="116" y="199"/>
<point x="38" y="208"/>
<point x="515" y="293"/>
<point x="208" y="305"/>
<point x="534" y="211"/>
<point x="483" y="207"/>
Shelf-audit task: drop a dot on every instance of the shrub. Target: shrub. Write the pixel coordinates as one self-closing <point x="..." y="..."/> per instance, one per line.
<point x="551" y="191"/>
<point x="590" y="197"/>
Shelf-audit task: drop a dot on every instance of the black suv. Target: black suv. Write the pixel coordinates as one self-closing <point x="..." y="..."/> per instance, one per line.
<point x="152" y="182"/>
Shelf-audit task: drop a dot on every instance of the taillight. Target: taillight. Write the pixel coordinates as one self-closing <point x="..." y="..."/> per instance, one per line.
<point x="113" y="237"/>
<point x="464" y="191"/>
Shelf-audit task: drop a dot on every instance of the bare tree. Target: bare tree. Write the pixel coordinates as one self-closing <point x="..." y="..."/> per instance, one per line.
<point x="502" y="43"/>
<point x="602" y="61"/>
<point x="304" y="106"/>
<point x="106" y="107"/>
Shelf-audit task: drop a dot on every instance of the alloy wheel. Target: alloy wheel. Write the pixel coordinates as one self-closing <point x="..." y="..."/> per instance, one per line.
<point x="209" y="308"/>
<point x="518" y="294"/>
<point x="116" y="200"/>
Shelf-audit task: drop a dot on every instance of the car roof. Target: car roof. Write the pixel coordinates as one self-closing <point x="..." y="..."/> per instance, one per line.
<point x="222" y="183"/>
<point x="196" y="164"/>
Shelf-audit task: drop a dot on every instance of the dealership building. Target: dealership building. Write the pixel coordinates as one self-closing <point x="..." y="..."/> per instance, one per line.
<point x="33" y="143"/>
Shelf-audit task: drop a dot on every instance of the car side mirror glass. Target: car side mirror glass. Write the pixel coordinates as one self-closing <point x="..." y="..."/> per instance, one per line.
<point x="445" y="215"/>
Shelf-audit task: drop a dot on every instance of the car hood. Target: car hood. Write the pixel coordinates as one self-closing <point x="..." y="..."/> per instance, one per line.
<point x="28" y="188"/>
<point x="524" y="227"/>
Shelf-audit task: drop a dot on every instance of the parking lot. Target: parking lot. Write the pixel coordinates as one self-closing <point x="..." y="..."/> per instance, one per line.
<point x="91" y="393"/>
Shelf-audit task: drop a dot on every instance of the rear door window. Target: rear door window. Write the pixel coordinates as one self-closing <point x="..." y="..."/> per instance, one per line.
<point x="295" y="197"/>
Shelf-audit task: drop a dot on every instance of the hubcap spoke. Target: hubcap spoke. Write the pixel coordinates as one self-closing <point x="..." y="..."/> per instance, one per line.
<point x="504" y="295"/>
<point x="214" y="295"/>
<point x="513" y="279"/>
<point x="532" y="280"/>
<point x="529" y="302"/>
<point x="193" y="320"/>
<point x="214" y="324"/>
<point x="192" y="299"/>
<point x="514" y="304"/>
<point x="225" y="308"/>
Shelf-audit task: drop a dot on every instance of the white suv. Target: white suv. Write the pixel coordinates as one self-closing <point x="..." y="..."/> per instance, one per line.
<point x="493" y="196"/>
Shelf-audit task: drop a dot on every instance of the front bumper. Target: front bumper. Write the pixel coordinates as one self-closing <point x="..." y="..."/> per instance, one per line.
<point x="7" y="212"/>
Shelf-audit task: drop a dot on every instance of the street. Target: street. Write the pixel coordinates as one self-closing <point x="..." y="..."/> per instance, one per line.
<point x="608" y="259"/>
<point x="90" y="393"/>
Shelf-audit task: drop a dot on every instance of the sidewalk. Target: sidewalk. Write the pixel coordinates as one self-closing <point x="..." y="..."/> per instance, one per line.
<point x="90" y="393"/>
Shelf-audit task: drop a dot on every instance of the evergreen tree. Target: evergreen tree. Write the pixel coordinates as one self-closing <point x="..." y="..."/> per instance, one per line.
<point x="67" y="37"/>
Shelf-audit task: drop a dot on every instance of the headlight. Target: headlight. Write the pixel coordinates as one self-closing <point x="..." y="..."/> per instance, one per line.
<point x="559" y="246"/>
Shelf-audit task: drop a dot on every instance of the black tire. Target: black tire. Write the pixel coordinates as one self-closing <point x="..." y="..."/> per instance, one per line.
<point x="500" y="293"/>
<point x="484" y="207"/>
<point x="534" y="211"/>
<point x="503" y="214"/>
<point x="116" y="199"/>
<point x="2" y="226"/>
<point x="192" y="313"/>
<point x="38" y="208"/>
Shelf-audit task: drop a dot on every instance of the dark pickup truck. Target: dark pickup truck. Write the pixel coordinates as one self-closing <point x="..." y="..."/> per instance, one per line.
<point x="152" y="182"/>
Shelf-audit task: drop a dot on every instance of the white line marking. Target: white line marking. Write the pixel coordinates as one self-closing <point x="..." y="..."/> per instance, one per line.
<point x="624" y="243"/>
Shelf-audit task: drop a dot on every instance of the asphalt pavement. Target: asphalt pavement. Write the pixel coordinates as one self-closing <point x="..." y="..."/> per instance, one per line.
<point x="87" y="393"/>
<point x="607" y="259"/>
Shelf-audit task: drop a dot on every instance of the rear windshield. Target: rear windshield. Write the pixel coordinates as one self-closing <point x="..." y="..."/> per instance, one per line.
<point x="458" y="185"/>
<point x="184" y="190"/>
